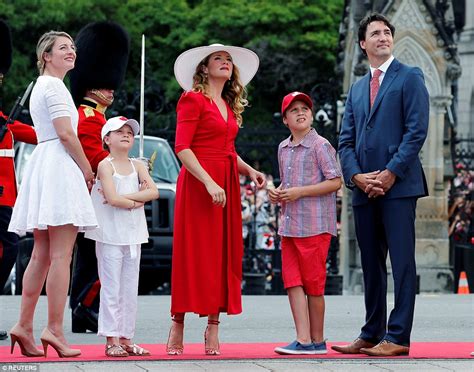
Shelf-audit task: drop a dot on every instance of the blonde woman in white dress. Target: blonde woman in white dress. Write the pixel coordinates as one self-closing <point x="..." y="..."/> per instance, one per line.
<point x="53" y="200"/>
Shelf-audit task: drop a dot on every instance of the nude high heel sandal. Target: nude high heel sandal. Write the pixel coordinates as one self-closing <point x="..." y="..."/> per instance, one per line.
<point x="174" y="349"/>
<point x="211" y="350"/>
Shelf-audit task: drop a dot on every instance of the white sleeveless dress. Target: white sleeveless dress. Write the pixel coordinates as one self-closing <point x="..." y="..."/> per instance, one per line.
<point x="119" y="226"/>
<point x="53" y="191"/>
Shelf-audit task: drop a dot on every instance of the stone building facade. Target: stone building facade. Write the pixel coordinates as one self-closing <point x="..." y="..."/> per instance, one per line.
<point x="465" y="117"/>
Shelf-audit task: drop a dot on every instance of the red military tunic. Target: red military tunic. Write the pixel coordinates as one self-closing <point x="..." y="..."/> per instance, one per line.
<point x="91" y="121"/>
<point x="16" y="131"/>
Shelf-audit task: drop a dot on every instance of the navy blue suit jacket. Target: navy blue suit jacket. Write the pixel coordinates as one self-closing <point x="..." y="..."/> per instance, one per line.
<point x="388" y="136"/>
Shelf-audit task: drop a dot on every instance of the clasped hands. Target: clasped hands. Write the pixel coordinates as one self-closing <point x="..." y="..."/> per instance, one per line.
<point x="286" y="195"/>
<point x="375" y="183"/>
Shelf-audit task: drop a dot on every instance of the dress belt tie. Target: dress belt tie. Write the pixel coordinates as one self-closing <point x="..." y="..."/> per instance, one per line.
<point x="7" y="153"/>
<point x="214" y="155"/>
<point x="49" y="139"/>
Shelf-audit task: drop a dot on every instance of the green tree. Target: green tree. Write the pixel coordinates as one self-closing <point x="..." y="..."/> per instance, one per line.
<point x="296" y="41"/>
<point x="29" y="19"/>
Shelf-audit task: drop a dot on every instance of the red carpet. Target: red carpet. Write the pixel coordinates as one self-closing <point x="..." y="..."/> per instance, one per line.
<point x="418" y="350"/>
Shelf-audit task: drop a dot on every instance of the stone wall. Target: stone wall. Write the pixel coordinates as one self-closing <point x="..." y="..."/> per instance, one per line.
<point x="465" y="125"/>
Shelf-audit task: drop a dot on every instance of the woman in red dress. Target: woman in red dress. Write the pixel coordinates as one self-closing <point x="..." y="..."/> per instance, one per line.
<point x="207" y="247"/>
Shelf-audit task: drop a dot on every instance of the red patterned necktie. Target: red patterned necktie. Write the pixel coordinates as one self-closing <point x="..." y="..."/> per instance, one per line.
<point x="374" y="86"/>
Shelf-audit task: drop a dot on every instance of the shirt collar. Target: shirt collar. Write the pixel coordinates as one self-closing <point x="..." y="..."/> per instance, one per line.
<point x="305" y="142"/>
<point x="383" y="67"/>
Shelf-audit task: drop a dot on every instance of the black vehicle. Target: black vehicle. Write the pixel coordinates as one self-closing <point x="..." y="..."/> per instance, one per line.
<point x="155" y="264"/>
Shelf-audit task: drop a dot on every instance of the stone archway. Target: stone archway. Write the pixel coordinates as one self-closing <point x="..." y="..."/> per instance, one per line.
<point x="409" y="51"/>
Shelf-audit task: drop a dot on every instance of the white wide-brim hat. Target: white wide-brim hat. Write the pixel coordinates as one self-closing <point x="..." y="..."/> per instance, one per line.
<point x="185" y="66"/>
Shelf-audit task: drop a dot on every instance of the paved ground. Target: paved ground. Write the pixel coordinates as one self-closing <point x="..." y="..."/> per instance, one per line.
<point x="440" y="318"/>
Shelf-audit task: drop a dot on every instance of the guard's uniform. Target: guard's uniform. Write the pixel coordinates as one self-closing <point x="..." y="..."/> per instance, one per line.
<point x="102" y="55"/>
<point x="91" y="120"/>
<point x="85" y="288"/>
<point x="16" y="131"/>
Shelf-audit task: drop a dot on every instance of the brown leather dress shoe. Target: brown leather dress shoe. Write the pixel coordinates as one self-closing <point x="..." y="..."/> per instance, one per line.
<point x="386" y="348"/>
<point x="353" y="348"/>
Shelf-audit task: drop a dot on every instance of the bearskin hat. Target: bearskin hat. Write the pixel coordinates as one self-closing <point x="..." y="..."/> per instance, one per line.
<point x="102" y="55"/>
<point x="5" y="48"/>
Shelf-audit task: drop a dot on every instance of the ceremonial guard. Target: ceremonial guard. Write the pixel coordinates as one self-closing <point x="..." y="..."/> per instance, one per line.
<point x="102" y="56"/>
<point x="10" y="131"/>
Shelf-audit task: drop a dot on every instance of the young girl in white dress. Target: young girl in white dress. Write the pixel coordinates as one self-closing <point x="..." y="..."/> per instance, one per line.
<point x="53" y="201"/>
<point x="126" y="185"/>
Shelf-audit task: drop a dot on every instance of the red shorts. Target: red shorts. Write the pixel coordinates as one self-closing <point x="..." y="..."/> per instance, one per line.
<point x="304" y="262"/>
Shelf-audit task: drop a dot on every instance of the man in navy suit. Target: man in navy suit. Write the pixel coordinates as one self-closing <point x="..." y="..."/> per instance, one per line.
<point x="384" y="127"/>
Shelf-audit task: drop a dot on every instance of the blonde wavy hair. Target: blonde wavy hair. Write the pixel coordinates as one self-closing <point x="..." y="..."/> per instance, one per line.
<point x="234" y="93"/>
<point x="45" y="45"/>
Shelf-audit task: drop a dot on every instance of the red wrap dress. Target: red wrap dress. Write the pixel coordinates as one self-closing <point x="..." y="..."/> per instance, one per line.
<point x="207" y="245"/>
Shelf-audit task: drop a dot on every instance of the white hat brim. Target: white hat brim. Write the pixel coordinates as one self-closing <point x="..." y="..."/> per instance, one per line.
<point x="113" y="124"/>
<point x="185" y="65"/>
<point x="134" y="125"/>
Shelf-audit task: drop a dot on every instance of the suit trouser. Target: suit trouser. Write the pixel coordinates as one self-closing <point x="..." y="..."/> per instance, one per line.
<point x="118" y="273"/>
<point x="8" y="246"/>
<point x="387" y="225"/>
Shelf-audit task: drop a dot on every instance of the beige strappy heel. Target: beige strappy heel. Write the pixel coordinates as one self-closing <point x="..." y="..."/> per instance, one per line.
<point x="211" y="350"/>
<point x="174" y="349"/>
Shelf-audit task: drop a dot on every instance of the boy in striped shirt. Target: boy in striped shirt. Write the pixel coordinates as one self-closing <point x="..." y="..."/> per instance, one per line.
<point x="310" y="177"/>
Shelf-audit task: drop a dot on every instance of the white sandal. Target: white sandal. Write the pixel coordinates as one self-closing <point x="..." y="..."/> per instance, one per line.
<point x="115" y="351"/>
<point x="135" y="350"/>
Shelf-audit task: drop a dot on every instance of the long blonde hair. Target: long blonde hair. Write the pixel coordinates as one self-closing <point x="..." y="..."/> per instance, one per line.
<point x="45" y="45"/>
<point x="234" y="93"/>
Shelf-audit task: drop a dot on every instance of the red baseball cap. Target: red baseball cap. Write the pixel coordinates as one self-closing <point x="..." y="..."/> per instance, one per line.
<point x="295" y="96"/>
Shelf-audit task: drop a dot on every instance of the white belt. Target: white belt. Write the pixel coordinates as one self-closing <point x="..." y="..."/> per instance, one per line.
<point x="133" y="251"/>
<point x="7" y="153"/>
<point x="49" y="139"/>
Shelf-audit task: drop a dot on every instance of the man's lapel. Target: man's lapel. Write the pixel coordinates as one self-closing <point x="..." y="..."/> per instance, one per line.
<point x="366" y="95"/>
<point x="390" y="75"/>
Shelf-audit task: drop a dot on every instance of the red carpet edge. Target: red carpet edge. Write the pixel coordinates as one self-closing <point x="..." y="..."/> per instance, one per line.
<point x="235" y="351"/>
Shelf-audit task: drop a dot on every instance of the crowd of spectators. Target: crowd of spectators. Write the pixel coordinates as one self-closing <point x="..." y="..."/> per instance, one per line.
<point x="461" y="205"/>
<point x="259" y="231"/>
<point x="259" y="216"/>
<point x="460" y="214"/>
